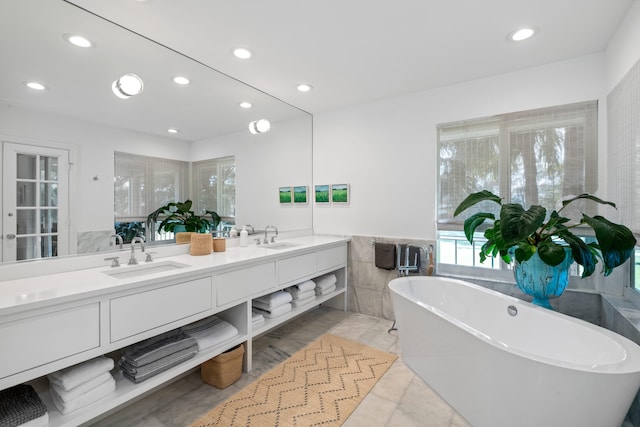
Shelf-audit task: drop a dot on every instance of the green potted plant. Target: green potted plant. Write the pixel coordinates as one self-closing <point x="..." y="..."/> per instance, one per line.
<point x="178" y="217"/>
<point x="527" y="236"/>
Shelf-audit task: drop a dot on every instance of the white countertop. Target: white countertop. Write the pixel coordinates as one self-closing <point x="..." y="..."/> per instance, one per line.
<point x="58" y="287"/>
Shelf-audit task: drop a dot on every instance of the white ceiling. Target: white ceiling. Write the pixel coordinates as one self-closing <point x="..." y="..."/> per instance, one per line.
<point x="357" y="51"/>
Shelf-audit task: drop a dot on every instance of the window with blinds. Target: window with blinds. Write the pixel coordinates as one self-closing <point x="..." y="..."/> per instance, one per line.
<point x="531" y="157"/>
<point x="214" y="186"/>
<point x="142" y="184"/>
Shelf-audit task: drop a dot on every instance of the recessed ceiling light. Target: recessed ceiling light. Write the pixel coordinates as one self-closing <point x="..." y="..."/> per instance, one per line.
<point x="35" y="85"/>
<point x="77" y="40"/>
<point x="181" y="80"/>
<point x="259" y="126"/>
<point x="521" y="34"/>
<point x="173" y="130"/>
<point x="242" y="53"/>
<point x="127" y="86"/>
<point x="245" y="104"/>
<point x="304" y="87"/>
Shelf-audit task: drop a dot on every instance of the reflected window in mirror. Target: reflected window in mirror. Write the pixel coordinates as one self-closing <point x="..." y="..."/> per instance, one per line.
<point x="214" y="188"/>
<point x="141" y="185"/>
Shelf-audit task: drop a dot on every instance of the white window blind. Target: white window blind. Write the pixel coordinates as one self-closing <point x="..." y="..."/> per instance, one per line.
<point x="142" y="184"/>
<point x="531" y="157"/>
<point x="623" y="148"/>
<point x="214" y="186"/>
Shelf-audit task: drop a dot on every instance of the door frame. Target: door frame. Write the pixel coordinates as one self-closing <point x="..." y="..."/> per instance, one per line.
<point x="73" y="188"/>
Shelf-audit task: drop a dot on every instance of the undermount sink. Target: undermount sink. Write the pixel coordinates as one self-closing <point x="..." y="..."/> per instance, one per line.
<point x="143" y="270"/>
<point x="281" y="245"/>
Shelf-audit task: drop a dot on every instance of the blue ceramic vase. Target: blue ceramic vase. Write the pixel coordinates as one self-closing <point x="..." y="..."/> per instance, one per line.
<point x="541" y="280"/>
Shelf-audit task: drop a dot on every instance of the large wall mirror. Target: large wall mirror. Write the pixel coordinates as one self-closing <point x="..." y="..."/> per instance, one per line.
<point x="58" y="144"/>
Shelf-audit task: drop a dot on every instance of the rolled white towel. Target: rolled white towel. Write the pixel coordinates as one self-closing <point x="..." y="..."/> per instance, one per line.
<point x="325" y="282"/>
<point x="74" y="393"/>
<point x="273" y="300"/>
<point x="75" y="375"/>
<point x="88" y="398"/>
<point x="326" y="291"/>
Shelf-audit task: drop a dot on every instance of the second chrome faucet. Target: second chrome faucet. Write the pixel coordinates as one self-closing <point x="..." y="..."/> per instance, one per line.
<point x="133" y="260"/>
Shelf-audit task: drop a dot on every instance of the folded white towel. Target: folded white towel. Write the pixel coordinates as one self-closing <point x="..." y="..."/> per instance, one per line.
<point x="305" y="301"/>
<point x="273" y="300"/>
<point x="325" y="281"/>
<point x="256" y="317"/>
<point x="327" y="291"/>
<point x="74" y="393"/>
<point x="214" y="335"/>
<point x="41" y="421"/>
<point x="305" y="295"/>
<point x="86" y="399"/>
<point x="73" y="376"/>
<point x="302" y="287"/>
<point x="277" y="311"/>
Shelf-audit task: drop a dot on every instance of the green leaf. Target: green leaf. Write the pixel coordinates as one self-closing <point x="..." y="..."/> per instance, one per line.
<point x="551" y="253"/>
<point x="471" y="223"/>
<point x="524" y="251"/>
<point x="475" y="198"/>
<point x="582" y="253"/>
<point x="616" y="241"/>
<point x="589" y="197"/>
<point x="517" y="224"/>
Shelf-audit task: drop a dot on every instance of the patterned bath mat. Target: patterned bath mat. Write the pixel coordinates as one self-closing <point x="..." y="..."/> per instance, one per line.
<point x="321" y="384"/>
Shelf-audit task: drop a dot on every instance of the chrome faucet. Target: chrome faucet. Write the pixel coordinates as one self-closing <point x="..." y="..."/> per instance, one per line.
<point x="133" y="260"/>
<point x="118" y="239"/>
<point x="266" y="231"/>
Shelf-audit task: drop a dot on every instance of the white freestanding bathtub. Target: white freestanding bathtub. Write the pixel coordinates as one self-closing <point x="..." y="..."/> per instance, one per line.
<point x="502" y="362"/>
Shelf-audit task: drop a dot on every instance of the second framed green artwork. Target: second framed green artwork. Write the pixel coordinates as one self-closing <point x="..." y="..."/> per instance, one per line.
<point x="285" y="195"/>
<point x="300" y="194"/>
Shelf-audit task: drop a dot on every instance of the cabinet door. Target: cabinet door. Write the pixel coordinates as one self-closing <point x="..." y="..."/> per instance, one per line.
<point x="329" y="259"/>
<point x="297" y="267"/>
<point x="38" y="340"/>
<point x="242" y="284"/>
<point x="144" y="311"/>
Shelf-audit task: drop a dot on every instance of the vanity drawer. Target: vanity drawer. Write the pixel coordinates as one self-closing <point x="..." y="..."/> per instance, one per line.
<point x="242" y="284"/>
<point x="297" y="267"/>
<point x="144" y="311"/>
<point x="38" y="340"/>
<point x="331" y="258"/>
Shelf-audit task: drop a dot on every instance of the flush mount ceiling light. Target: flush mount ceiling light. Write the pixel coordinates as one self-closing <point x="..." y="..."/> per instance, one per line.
<point x="304" y="87"/>
<point x="242" y="53"/>
<point x="127" y="86"/>
<point x="521" y="34"/>
<point x="77" y="40"/>
<point x="245" y="104"/>
<point x="173" y="130"/>
<point x="181" y="80"/>
<point x="259" y="126"/>
<point x="35" y="85"/>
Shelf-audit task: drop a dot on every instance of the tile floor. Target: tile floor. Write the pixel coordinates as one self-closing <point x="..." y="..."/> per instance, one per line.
<point x="399" y="398"/>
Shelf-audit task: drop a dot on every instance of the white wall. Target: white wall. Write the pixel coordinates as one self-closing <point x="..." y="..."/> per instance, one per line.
<point x="265" y="162"/>
<point x="95" y="145"/>
<point x="387" y="150"/>
<point x="623" y="49"/>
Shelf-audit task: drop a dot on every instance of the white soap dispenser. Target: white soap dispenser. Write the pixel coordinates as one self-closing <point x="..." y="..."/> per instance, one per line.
<point x="244" y="237"/>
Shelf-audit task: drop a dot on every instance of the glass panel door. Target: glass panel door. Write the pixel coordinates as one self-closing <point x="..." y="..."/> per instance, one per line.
<point x="35" y="202"/>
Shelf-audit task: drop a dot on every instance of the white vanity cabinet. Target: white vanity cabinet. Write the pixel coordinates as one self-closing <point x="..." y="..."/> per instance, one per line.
<point x="60" y="332"/>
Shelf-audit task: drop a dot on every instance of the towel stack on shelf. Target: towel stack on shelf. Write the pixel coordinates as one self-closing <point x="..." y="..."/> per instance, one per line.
<point x="210" y="332"/>
<point x="256" y="317"/>
<point x="325" y="284"/>
<point x="80" y="385"/>
<point x="302" y="293"/>
<point x="21" y="406"/>
<point x="273" y="305"/>
<point x="145" y="359"/>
